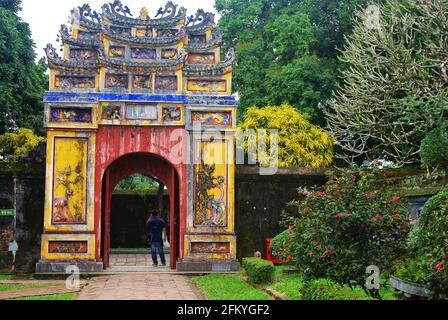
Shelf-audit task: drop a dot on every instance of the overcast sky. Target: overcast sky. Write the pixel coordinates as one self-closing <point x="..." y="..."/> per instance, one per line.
<point x="46" y="16"/>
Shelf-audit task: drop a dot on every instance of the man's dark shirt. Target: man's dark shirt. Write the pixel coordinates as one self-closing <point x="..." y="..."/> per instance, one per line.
<point x="154" y="227"/>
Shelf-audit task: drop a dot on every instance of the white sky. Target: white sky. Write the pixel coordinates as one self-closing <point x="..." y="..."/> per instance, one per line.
<point x="46" y="16"/>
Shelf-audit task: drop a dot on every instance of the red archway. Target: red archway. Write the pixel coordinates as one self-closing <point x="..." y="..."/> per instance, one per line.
<point x="149" y="165"/>
<point x="122" y="151"/>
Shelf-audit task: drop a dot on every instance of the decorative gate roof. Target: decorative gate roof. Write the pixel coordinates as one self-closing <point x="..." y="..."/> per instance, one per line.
<point x="121" y="52"/>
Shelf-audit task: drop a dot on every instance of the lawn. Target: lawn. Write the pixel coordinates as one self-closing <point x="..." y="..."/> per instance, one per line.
<point x="324" y="289"/>
<point x="228" y="287"/>
<point x="5" y="277"/>
<point x="54" y="297"/>
<point x="13" y="287"/>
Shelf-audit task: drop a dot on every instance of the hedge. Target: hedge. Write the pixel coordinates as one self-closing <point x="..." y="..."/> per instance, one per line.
<point x="258" y="270"/>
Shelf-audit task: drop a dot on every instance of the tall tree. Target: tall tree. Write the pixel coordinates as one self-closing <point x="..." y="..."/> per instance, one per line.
<point x="286" y="49"/>
<point x="22" y="81"/>
<point x="395" y="88"/>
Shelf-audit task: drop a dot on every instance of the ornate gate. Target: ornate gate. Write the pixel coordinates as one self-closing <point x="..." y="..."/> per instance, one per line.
<point x="135" y="94"/>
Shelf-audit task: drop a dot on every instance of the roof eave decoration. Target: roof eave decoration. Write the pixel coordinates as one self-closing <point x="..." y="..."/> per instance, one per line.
<point x="67" y="38"/>
<point x="212" y="70"/>
<point x="170" y="15"/>
<point x="55" y="62"/>
<point x="145" y="40"/>
<point x="86" y="17"/>
<point x="137" y="65"/>
<point x="201" y="22"/>
<point x="216" y="41"/>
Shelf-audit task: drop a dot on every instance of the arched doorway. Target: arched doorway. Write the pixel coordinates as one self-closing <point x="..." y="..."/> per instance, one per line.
<point x="150" y="165"/>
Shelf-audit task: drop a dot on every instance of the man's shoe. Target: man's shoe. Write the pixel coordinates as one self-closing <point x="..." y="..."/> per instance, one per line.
<point x="164" y="264"/>
<point x="155" y="265"/>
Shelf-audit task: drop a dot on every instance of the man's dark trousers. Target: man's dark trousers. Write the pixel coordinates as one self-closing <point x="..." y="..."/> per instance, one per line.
<point x="157" y="247"/>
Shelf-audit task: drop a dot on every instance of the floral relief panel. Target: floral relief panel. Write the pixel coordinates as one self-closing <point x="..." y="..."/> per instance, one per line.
<point x="117" y="51"/>
<point x="69" y="180"/>
<point x="209" y="118"/>
<point x="166" y="83"/>
<point x="210" y="247"/>
<point x="201" y="58"/>
<point x="68" y="247"/>
<point x="207" y="85"/>
<point x="142" y="82"/>
<point x="83" y="54"/>
<point x="143" y="53"/>
<point x="116" y="81"/>
<point x="70" y="115"/>
<point x="80" y="82"/>
<point x="211" y="185"/>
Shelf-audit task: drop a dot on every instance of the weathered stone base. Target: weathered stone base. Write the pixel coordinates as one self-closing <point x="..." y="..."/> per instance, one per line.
<point x="209" y="266"/>
<point x="58" y="267"/>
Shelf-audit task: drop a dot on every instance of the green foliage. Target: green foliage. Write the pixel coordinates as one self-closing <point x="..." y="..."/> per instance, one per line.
<point x="300" y="144"/>
<point x="258" y="270"/>
<point x="280" y="245"/>
<point x="228" y="287"/>
<point x="15" y="145"/>
<point x="349" y="225"/>
<point x="429" y="241"/>
<point x="22" y="81"/>
<point x="409" y="270"/>
<point x="137" y="182"/>
<point x="434" y="150"/>
<point x="286" y="50"/>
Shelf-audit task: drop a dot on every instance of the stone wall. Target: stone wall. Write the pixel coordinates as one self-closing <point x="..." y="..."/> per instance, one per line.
<point x="260" y="201"/>
<point x="22" y="187"/>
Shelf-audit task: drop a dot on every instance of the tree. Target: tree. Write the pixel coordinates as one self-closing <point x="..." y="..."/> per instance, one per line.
<point x="15" y="145"/>
<point x="22" y="81"/>
<point x="286" y="50"/>
<point x="394" y="90"/>
<point x="300" y="143"/>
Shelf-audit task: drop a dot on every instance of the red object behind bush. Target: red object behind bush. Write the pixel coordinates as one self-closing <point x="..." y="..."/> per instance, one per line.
<point x="269" y="255"/>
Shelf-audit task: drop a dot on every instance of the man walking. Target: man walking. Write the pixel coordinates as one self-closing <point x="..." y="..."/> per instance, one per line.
<point x="156" y="227"/>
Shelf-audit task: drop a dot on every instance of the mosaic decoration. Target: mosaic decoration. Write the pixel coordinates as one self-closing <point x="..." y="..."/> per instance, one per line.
<point x="117" y="51"/>
<point x="142" y="112"/>
<point x="142" y="82"/>
<point x="117" y="81"/>
<point x="83" y="54"/>
<point x="68" y="247"/>
<point x="70" y="115"/>
<point x="143" y="32"/>
<point x="201" y="58"/>
<point x="120" y="31"/>
<point x="111" y="112"/>
<point x="210" y="206"/>
<point x="79" y="82"/>
<point x="208" y="118"/>
<point x="207" y="85"/>
<point x="168" y="83"/>
<point x="167" y="33"/>
<point x="196" y="39"/>
<point x="87" y="35"/>
<point x="170" y="54"/>
<point x="69" y="182"/>
<point x="143" y="53"/>
<point x="171" y="114"/>
<point x="210" y="247"/>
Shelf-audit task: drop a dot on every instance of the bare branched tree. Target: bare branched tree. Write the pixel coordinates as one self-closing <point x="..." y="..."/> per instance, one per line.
<point x="395" y="84"/>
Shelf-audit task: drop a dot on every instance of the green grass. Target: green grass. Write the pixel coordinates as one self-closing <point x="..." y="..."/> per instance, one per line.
<point x="228" y="287"/>
<point x="12" y="287"/>
<point x="289" y="285"/>
<point x="5" y="277"/>
<point x="54" y="297"/>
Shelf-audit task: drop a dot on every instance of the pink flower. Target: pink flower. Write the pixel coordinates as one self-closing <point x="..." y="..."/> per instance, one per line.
<point x="395" y="216"/>
<point x="321" y="193"/>
<point x="311" y="254"/>
<point x="369" y="196"/>
<point x="328" y="252"/>
<point x="339" y="215"/>
<point x="376" y="218"/>
<point x="395" y="198"/>
<point x="305" y="194"/>
<point x="439" y="266"/>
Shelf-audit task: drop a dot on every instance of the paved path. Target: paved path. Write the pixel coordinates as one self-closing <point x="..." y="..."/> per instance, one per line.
<point x="149" y="286"/>
<point x="136" y="263"/>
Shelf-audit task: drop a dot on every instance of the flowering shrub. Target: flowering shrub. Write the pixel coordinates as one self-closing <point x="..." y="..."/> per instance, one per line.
<point x="346" y="227"/>
<point x="429" y="241"/>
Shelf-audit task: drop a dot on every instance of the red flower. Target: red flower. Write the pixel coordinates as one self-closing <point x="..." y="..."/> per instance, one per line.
<point x="305" y="193"/>
<point x="339" y="215"/>
<point x="439" y="266"/>
<point x="445" y="257"/>
<point x="321" y="193"/>
<point x="376" y="218"/>
<point x="311" y="254"/>
<point x="328" y="252"/>
<point x="289" y="231"/>
<point x="369" y="196"/>
<point x="395" y="216"/>
<point x="395" y="198"/>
